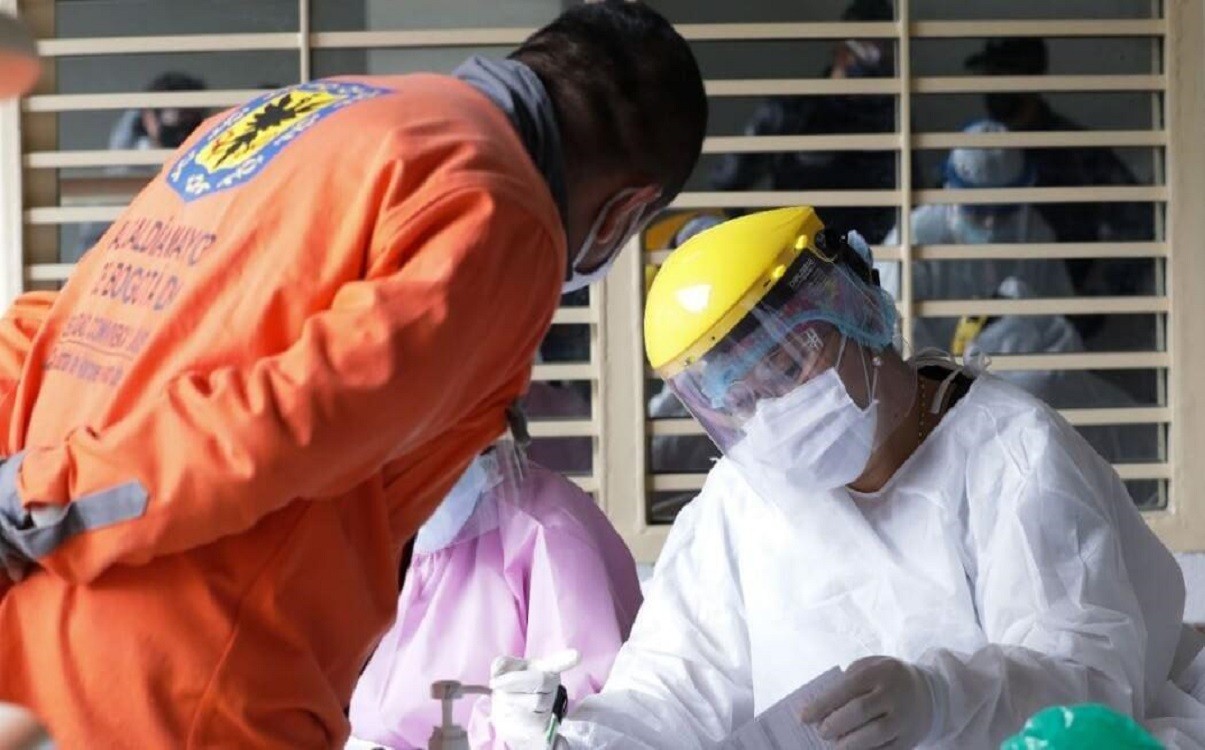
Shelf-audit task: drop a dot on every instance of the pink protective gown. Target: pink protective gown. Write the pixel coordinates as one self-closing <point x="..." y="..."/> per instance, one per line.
<point x="498" y="573"/>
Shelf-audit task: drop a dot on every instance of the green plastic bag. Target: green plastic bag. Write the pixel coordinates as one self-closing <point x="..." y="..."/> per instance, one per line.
<point x="1083" y="727"/>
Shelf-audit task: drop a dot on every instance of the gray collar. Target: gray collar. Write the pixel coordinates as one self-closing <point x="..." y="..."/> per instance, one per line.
<point x="520" y="93"/>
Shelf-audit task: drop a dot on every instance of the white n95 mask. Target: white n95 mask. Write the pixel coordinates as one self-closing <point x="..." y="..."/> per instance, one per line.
<point x="815" y="437"/>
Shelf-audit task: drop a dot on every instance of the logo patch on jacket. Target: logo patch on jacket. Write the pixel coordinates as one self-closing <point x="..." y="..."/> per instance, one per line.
<point x="237" y="148"/>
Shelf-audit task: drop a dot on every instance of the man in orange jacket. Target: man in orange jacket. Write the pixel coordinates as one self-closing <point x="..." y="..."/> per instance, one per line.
<point x="270" y="369"/>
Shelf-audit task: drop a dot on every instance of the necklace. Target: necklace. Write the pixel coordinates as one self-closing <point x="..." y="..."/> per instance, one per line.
<point x="920" y="419"/>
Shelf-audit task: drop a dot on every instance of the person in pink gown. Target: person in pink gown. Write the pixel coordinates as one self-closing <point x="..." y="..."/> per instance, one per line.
<point x="529" y="568"/>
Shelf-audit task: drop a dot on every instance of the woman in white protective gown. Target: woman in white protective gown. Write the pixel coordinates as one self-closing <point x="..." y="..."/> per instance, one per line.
<point x="944" y="538"/>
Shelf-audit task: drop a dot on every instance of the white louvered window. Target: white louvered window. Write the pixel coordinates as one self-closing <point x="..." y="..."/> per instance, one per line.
<point x="1108" y="246"/>
<point x="1079" y="205"/>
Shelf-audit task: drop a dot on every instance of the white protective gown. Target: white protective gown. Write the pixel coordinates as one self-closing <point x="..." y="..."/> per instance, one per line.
<point x="1005" y="556"/>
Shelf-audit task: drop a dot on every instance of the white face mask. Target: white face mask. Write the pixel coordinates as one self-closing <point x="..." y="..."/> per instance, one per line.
<point x="452" y="514"/>
<point x="579" y="280"/>
<point x="815" y="436"/>
<point x="1013" y="227"/>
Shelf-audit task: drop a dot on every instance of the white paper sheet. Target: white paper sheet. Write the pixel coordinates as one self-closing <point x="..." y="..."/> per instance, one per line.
<point x="779" y="727"/>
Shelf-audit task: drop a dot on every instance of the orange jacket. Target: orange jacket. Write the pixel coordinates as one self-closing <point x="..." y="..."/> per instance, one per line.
<point x="280" y="356"/>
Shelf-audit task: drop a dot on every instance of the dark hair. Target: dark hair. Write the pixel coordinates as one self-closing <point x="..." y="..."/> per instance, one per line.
<point x="173" y="81"/>
<point x="171" y="136"/>
<point x="1016" y="56"/>
<point x="626" y="89"/>
<point x="868" y="10"/>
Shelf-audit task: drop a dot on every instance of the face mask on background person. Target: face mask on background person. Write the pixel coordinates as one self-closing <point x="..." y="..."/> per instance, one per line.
<point x="969" y="229"/>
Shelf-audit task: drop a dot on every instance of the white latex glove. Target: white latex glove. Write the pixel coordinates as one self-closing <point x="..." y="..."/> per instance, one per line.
<point x="879" y="702"/>
<point x="522" y="697"/>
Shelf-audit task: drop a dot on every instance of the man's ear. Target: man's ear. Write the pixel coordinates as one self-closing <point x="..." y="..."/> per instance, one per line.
<point x="621" y="215"/>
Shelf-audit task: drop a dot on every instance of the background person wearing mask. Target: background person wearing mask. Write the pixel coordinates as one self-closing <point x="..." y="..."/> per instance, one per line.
<point x="811" y="115"/>
<point x="1026" y="111"/>
<point x="530" y="567"/>
<point x="162" y="127"/>
<point x="141" y="129"/>
<point x="975" y="224"/>
<point x="311" y="322"/>
<point x="945" y="539"/>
